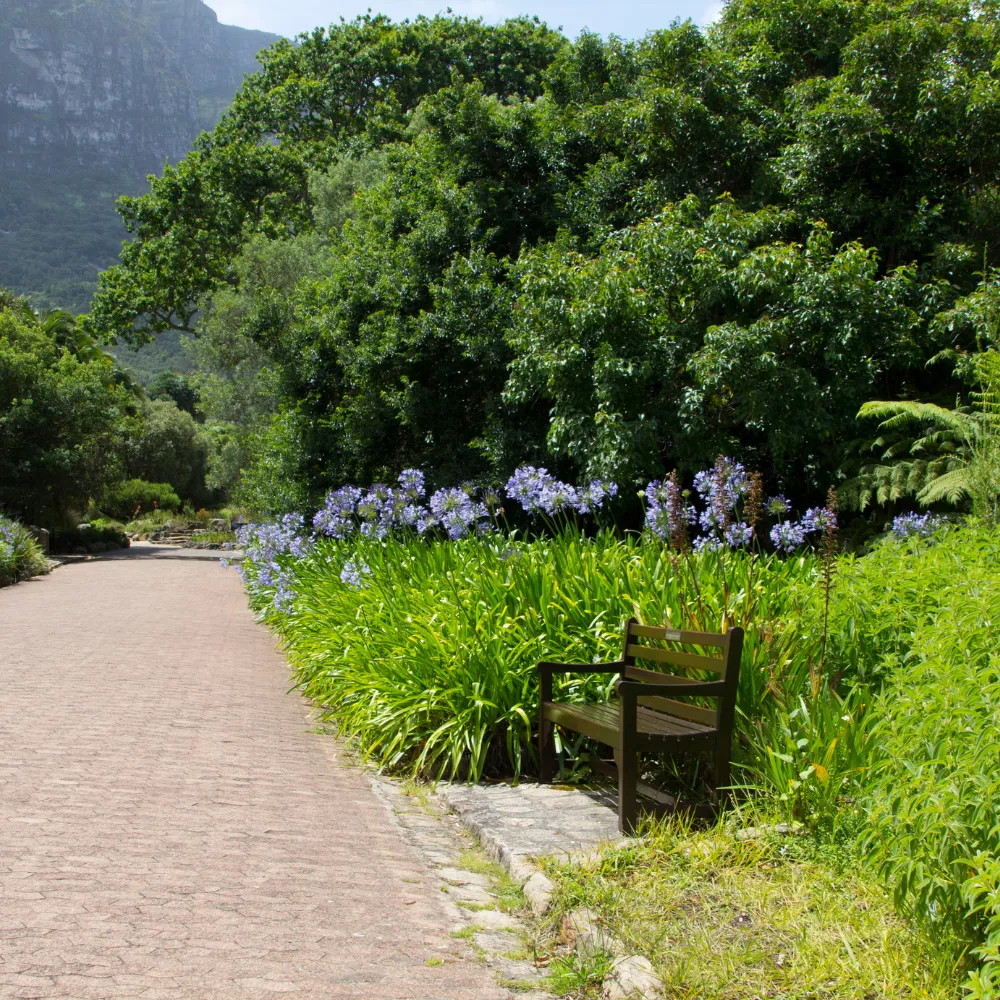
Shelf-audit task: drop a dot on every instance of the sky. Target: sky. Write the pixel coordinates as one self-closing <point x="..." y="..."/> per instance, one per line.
<point x="626" y="18"/>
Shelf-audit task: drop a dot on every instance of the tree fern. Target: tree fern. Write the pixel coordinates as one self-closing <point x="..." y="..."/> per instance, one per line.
<point x="933" y="454"/>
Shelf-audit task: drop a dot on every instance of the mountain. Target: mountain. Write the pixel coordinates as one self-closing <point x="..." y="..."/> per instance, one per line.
<point x="94" y="95"/>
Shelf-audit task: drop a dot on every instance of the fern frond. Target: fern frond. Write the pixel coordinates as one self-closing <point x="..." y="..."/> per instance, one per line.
<point x="952" y="487"/>
<point x="904" y="413"/>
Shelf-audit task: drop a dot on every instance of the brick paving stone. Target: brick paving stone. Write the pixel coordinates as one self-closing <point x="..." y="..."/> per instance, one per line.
<point x="171" y="827"/>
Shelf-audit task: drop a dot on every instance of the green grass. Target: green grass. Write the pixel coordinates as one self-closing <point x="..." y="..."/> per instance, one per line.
<point x="726" y="919"/>
<point x="214" y="537"/>
<point x="152" y="521"/>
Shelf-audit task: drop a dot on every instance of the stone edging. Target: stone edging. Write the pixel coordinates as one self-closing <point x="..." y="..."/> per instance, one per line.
<point x="630" y="975"/>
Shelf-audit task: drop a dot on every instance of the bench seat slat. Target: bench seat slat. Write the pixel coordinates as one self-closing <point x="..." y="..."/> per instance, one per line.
<point x="696" y="713"/>
<point x="600" y="722"/>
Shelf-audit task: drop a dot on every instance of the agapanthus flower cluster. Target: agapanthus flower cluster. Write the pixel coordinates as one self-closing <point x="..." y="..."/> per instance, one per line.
<point x="732" y="504"/>
<point x="924" y="525"/>
<point x="668" y="513"/>
<point x="459" y="515"/>
<point x="539" y="492"/>
<point x="819" y="519"/>
<point x="354" y="573"/>
<point x="789" y="535"/>
<point x="381" y="510"/>
<point x="336" y="518"/>
<point x="264" y="545"/>
<point x="7" y="540"/>
<point x="721" y="489"/>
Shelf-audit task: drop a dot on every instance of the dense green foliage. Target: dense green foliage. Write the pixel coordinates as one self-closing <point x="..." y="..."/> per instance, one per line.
<point x="74" y="426"/>
<point x="171" y="448"/>
<point x="20" y="555"/>
<point x="66" y="412"/>
<point x="433" y="658"/>
<point x="167" y="355"/>
<point x="921" y="619"/>
<point x="473" y="245"/>
<point x="58" y="228"/>
<point x="89" y="538"/>
<point x="936" y="454"/>
<point x="125" y="500"/>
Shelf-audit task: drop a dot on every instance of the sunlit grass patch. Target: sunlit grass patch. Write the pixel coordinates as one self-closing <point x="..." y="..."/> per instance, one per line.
<point x="727" y="919"/>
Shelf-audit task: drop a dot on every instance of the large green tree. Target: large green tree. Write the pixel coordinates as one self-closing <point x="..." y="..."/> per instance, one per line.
<point x="353" y="86"/>
<point x="66" y="412"/>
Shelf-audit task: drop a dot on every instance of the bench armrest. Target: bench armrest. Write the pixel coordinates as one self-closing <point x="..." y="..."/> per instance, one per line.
<point x="547" y="667"/>
<point x="634" y="689"/>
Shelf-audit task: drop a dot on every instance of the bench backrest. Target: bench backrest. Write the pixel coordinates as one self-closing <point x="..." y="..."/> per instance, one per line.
<point x="666" y="662"/>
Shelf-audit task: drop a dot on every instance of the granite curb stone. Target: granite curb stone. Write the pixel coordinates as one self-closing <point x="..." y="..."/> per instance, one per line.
<point x="517" y="824"/>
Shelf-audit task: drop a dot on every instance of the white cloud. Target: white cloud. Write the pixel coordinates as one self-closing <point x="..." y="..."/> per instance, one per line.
<point x="711" y="13"/>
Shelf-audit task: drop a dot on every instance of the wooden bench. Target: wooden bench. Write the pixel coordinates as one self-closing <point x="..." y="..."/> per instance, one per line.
<point x="648" y="715"/>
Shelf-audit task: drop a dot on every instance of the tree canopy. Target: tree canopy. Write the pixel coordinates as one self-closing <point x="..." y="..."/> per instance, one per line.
<point x="461" y="246"/>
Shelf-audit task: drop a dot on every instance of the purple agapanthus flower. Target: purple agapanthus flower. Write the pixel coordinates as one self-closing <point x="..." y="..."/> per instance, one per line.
<point x="707" y="543"/>
<point x="595" y="495"/>
<point x="526" y="486"/>
<point x="788" y="536"/>
<point x="457" y="513"/>
<point x="412" y="483"/>
<point x="353" y="574"/>
<point x="924" y="525"/>
<point x="336" y="518"/>
<point x="738" y="534"/>
<point x="557" y="497"/>
<point x="665" y="505"/>
<point x="819" y="519"/>
<point x="721" y="488"/>
<point x="777" y="506"/>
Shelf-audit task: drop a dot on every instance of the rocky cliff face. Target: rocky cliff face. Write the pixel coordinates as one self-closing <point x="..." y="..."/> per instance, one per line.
<point x="95" y="94"/>
<point x="114" y="82"/>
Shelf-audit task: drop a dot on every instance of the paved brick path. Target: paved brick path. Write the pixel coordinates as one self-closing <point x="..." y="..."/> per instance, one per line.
<point x="170" y="827"/>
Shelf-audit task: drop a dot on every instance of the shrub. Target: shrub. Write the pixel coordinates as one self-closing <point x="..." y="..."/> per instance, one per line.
<point x="172" y="447"/>
<point x="20" y="555"/>
<point x="90" y="538"/>
<point x="124" y="500"/>
<point x="925" y="614"/>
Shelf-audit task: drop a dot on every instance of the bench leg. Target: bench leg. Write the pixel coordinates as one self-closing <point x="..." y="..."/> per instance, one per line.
<point x="545" y="759"/>
<point x="627" y="758"/>
<point x="546" y="755"/>
<point x="722" y="774"/>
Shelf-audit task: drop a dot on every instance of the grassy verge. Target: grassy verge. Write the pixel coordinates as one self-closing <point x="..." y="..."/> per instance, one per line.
<point x="730" y="919"/>
<point x="876" y="727"/>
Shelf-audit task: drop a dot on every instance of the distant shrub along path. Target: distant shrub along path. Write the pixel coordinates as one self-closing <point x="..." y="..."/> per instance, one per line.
<point x="20" y="555"/>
